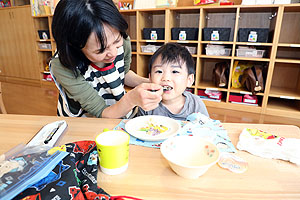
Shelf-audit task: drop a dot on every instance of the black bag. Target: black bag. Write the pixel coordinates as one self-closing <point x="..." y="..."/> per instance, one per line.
<point x="262" y="34"/>
<point x="253" y="79"/>
<point x="191" y="33"/>
<point x="224" y="33"/>
<point x="221" y="74"/>
<point x="159" y="31"/>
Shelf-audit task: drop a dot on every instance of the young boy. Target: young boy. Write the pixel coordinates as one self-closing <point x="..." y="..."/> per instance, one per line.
<point x="173" y="67"/>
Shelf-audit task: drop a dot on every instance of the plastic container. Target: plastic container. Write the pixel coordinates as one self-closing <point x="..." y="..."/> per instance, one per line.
<point x="149" y="48"/>
<point x="44" y="46"/>
<point x="192" y="50"/>
<point x="286" y="1"/>
<point x="253" y="53"/>
<point x="218" y="52"/>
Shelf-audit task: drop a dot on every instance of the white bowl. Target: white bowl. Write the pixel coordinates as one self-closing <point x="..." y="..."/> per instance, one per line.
<point x="189" y="156"/>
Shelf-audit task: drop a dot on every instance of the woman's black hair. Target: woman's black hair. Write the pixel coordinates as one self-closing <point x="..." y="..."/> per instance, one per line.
<point x="74" y="21"/>
<point x="173" y="52"/>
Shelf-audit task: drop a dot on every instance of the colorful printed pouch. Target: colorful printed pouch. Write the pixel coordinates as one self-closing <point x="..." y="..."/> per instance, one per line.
<point x="25" y="168"/>
<point x="74" y="177"/>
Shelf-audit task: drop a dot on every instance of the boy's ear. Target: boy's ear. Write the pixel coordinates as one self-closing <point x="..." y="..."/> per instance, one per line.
<point x="190" y="80"/>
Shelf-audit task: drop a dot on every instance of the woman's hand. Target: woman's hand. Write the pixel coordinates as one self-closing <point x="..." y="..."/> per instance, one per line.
<point x="146" y="95"/>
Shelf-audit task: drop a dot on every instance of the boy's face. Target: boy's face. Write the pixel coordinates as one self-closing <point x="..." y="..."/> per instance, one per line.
<point x="171" y="75"/>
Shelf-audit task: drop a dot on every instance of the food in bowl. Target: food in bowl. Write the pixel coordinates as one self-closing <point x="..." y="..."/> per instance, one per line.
<point x="153" y="129"/>
<point x="189" y="156"/>
<point x="162" y="127"/>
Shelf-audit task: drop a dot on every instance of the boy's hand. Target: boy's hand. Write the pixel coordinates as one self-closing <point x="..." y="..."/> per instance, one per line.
<point x="146" y="95"/>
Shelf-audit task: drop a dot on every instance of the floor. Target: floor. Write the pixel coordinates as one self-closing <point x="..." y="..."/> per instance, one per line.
<point x="33" y="100"/>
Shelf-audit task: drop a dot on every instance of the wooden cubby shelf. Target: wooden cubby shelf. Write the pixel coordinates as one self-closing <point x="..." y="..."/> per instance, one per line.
<point x="281" y="96"/>
<point x="281" y="57"/>
<point x="43" y="22"/>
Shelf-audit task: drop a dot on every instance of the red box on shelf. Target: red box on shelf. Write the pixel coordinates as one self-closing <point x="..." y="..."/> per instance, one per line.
<point x="212" y="94"/>
<point x="252" y="99"/>
<point x="201" y="93"/>
<point x="47" y="77"/>
<point x="236" y="97"/>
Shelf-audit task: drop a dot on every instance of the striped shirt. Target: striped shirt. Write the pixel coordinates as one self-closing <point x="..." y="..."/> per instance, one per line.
<point x="107" y="80"/>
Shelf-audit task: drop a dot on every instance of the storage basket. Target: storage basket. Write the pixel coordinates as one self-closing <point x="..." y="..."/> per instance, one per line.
<point x="262" y="34"/>
<point x="149" y="48"/>
<point x="192" y="50"/>
<point x="224" y="33"/>
<point x="44" y="46"/>
<point x="250" y="53"/>
<point x="217" y="52"/>
<point x="159" y="31"/>
<point x="191" y="33"/>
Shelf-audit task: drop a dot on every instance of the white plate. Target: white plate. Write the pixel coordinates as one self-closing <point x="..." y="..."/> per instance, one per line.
<point x="134" y="126"/>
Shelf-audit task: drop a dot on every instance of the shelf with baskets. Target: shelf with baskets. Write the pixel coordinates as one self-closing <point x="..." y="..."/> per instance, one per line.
<point x="45" y="45"/>
<point x="278" y="50"/>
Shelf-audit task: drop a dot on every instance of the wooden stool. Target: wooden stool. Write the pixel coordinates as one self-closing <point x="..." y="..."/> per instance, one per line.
<point x="2" y="107"/>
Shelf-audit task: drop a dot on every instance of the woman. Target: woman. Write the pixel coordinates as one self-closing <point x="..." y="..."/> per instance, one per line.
<point x="92" y="63"/>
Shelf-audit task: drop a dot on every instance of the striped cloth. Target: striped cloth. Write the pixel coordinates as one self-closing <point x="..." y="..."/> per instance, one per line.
<point x="107" y="80"/>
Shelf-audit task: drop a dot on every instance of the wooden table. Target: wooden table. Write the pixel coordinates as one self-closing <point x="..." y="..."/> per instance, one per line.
<point x="149" y="175"/>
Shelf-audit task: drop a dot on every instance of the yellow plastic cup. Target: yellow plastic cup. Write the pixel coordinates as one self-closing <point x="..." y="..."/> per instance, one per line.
<point x="113" y="151"/>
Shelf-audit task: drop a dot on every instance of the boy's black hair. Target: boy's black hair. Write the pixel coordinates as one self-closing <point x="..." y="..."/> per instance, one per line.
<point x="173" y="52"/>
<point x="74" y="21"/>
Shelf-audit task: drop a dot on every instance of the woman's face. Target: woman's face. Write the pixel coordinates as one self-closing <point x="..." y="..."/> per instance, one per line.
<point x="92" y="47"/>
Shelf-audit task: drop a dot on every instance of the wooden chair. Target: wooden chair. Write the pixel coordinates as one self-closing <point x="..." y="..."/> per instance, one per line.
<point x="2" y="107"/>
